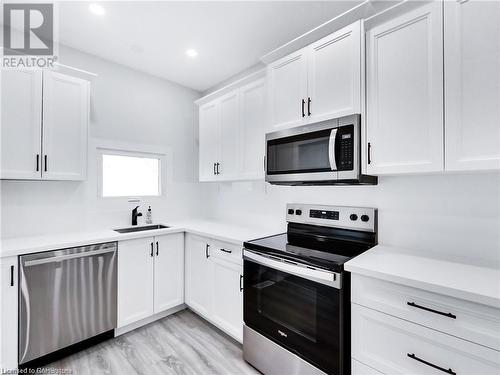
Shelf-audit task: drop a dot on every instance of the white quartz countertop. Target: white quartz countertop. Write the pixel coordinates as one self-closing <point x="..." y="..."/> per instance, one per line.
<point x="221" y="231"/>
<point x="402" y="266"/>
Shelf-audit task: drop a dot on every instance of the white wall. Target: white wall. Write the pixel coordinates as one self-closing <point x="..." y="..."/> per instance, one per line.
<point x="126" y="106"/>
<point x="451" y="216"/>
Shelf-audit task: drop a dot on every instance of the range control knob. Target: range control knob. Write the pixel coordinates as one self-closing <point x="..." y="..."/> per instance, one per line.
<point x="298" y="212"/>
<point x="365" y="218"/>
<point x="290" y="211"/>
<point x="353" y="217"/>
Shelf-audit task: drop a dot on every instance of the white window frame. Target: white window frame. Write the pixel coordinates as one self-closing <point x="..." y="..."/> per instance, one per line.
<point x="137" y="151"/>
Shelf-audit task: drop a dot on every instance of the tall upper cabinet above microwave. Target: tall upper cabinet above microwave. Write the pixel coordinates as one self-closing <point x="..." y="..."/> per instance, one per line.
<point x="319" y="82"/>
<point x="44" y="125"/>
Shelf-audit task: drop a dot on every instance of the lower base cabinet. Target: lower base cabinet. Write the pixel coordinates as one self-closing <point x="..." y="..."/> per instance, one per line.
<point x="150" y="276"/>
<point x="214" y="283"/>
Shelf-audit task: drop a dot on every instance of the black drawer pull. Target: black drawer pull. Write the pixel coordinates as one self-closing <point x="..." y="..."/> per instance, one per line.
<point x="309" y="106"/>
<point x="448" y="371"/>
<point x="38" y="162"/>
<point x="449" y="315"/>
<point x="152" y="250"/>
<point x="11" y="275"/>
<point x="157" y="248"/>
<point x="207" y="252"/>
<point x="303" y="111"/>
<point x="45" y="163"/>
<point x="226" y="251"/>
<point x="241" y="283"/>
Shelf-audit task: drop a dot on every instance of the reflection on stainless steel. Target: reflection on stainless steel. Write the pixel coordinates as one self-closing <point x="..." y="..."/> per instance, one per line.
<point x="66" y="296"/>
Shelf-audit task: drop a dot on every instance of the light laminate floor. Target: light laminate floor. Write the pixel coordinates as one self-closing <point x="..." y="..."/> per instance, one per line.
<point x="182" y="343"/>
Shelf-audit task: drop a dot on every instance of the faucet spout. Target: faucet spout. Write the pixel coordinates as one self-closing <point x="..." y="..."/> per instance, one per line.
<point x="135" y="214"/>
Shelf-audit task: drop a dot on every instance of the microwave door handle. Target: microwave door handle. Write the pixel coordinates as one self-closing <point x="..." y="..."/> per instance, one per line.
<point x="331" y="150"/>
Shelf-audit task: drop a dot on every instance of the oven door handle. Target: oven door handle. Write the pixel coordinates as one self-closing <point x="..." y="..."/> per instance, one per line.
<point x="331" y="149"/>
<point x="324" y="277"/>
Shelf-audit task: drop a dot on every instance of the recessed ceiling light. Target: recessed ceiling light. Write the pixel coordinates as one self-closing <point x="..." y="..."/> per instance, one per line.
<point x="192" y="52"/>
<point x="97" y="9"/>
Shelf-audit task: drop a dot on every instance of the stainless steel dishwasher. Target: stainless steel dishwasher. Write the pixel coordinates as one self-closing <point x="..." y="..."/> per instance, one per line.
<point x="65" y="296"/>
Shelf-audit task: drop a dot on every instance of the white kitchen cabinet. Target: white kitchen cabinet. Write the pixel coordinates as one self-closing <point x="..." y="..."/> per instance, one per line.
<point x="334" y="74"/>
<point x="252" y="129"/>
<point x="135" y="280"/>
<point x="472" y="84"/>
<point x="150" y="276"/>
<point x="209" y="140"/>
<point x="228" y="297"/>
<point x="288" y="90"/>
<point x="232" y="128"/>
<point x="65" y="119"/>
<point x="21" y="141"/>
<point x="228" y="167"/>
<point x="319" y="82"/>
<point x="214" y="283"/>
<point x="405" y="92"/>
<point x="44" y="126"/>
<point x="198" y="272"/>
<point x="169" y="272"/>
<point x="8" y="313"/>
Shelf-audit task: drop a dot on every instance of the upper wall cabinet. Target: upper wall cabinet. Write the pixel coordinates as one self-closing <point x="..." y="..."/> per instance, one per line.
<point x="319" y="82"/>
<point x="232" y="129"/>
<point x="405" y="92"/>
<point x="44" y="126"/>
<point x="472" y="84"/>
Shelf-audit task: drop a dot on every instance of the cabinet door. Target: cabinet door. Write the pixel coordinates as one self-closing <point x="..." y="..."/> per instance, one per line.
<point x="472" y="84"/>
<point x="228" y="297"/>
<point x="405" y="93"/>
<point x="21" y="124"/>
<point x="252" y="130"/>
<point x="198" y="272"/>
<point x="229" y="137"/>
<point x="287" y="90"/>
<point x="334" y="74"/>
<point x="8" y="315"/>
<point x="135" y="280"/>
<point x="169" y="271"/>
<point x="209" y="140"/>
<point x="65" y="126"/>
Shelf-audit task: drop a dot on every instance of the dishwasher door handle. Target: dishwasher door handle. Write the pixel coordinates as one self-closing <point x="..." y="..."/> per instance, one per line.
<point x="61" y="258"/>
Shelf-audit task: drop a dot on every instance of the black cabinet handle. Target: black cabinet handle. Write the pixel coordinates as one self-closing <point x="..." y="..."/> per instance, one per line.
<point x="226" y="251"/>
<point x="449" y="315"/>
<point x="207" y="252"/>
<point x="218" y="164"/>
<point x="303" y="105"/>
<point x="37" y="162"/>
<point x="448" y="371"/>
<point x="152" y="250"/>
<point x="369" y="152"/>
<point x="157" y="248"/>
<point x="45" y="163"/>
<point x="241" y="283"/>
<point x="11" y="275"/>
<point x="215" y="172"/>
<point x="309" y="106"/>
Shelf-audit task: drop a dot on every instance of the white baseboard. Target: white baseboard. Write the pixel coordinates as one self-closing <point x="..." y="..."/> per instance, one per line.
<point x="130" y="327"/>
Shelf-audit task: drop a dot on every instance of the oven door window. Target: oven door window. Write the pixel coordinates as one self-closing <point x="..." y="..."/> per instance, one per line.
<point x="305" y="153"/>
<point x="301" y="315"/>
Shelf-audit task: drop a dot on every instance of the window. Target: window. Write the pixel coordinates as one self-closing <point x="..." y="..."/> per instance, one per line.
<point x="130" y="176"/>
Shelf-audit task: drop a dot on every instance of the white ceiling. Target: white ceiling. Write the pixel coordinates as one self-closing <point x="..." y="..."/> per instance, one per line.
<point x="153" y="36"/>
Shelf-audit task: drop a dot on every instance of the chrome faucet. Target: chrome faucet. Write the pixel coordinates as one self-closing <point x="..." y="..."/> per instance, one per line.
<point x="135" y="214"/>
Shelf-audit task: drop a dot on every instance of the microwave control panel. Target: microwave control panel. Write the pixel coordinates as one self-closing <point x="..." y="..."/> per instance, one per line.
<point x="345" y="148"/>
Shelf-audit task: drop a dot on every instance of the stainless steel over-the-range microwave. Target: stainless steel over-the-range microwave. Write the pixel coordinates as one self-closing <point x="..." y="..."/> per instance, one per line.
<point x="324" y="153"/>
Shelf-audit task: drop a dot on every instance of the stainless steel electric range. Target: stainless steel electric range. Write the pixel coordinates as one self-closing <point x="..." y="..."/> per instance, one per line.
<point x="296" y="292"/>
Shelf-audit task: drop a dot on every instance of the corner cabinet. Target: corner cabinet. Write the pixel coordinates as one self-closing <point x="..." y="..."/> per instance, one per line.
<point x="44" y="126"/>
<point x="319" y="82"/>
<point x="214" y="283"/>
<point x="405" y="92"/>
<point x="232" y="128"/>
<point x="150" y="276"/>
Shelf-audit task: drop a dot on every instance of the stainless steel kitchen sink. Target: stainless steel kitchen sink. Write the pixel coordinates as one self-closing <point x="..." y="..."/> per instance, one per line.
<point x="140" y="229"/>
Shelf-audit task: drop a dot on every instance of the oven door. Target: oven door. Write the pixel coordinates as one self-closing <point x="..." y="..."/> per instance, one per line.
<point x="297" y="308"/>
<point x="306" y="153"/>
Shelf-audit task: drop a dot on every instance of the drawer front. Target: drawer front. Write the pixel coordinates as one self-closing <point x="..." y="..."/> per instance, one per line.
<point x="395" y="346"/>
<point x="467" y="320"/>
<point x="229" y="252"/>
